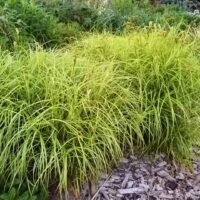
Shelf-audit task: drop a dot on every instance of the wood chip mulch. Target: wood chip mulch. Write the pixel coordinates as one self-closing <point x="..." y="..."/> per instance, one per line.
<point x="144" y="179"/>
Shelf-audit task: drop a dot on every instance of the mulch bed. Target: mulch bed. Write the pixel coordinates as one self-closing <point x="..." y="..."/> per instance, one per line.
<point x="146" y="178"/>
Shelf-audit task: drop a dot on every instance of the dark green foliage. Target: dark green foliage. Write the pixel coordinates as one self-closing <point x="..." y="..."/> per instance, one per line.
<point x="24" y="22"/>
<point x="165" y="15"/>
<point x="80" y="13"/>
<point x="87" y="16"/>
<point x="9" y="25"/>
<point x="13" y="194"/>
<point x="51" y="23"/>
<point x="113" y="16"/>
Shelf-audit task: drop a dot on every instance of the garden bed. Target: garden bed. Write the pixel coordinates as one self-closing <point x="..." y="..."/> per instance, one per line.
<point x="128" y="80"/>
<point x="154" y="178"/>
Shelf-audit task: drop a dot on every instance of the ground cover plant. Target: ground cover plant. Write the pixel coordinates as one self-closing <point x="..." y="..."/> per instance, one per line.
<point x="13" y="195"/>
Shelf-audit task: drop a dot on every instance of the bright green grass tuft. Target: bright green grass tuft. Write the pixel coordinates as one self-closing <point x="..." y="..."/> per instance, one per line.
<point x="164" y="71"/>
<point x="68" y="114"/>
<point x="61" y="117"/>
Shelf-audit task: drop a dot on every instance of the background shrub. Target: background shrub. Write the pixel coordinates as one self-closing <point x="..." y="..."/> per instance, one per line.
<point x="54" y="23"/>
<point x="14" y="195"/>
<point x="69" y="12"/>
<point x="23" y="22"/>
<point x="117" y="13"/>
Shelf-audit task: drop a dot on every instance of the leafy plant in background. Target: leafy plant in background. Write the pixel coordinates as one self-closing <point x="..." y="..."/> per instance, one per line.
<point x="13" y="195"/>
<point x="113" y="16"/>
<point x="87" y="16"/>
<point x="127" y="7"/>
<point x="23" y="194"/>
<point x="24" y="22"/>
<point x="51" y="23"/>
<point x="70" y="12"/>
<point x="9" y="27"/>
<point x="165" y="16"/>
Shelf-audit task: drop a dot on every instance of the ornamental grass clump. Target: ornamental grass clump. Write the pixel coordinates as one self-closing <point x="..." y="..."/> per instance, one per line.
<point x="163" y="69"/>
<point x="65" y="115"/>
<point x="61" y="117"/>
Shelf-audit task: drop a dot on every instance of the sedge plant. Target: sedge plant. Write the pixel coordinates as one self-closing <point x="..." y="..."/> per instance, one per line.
<point x="61" y="117"/>
<point x="67" y="114"/>
<point x="163" y="70"/>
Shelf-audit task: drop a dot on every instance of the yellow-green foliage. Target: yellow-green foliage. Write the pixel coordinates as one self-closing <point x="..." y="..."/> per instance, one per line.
<point x="164" y="71"/>
<point x="69" y="113"/>
<point x="61" y="116"/>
